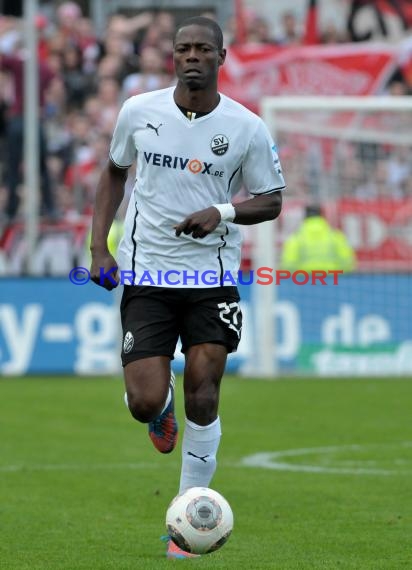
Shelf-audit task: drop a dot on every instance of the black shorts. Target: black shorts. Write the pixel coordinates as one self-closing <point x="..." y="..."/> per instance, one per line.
<point x="153" y="319"/>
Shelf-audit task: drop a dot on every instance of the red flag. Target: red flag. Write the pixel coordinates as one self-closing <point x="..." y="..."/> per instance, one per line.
<point x="311" y="26"/>
<point x="241" y="31"/>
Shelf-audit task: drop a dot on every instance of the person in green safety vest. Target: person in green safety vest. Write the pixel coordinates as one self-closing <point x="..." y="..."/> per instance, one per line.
<point x="316" y="245"/>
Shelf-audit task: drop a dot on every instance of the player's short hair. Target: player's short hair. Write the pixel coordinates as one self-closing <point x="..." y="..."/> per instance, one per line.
<point x="207" y="23"/>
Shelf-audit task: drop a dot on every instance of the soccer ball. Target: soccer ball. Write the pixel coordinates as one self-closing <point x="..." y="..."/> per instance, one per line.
<point x="199" y="520"/>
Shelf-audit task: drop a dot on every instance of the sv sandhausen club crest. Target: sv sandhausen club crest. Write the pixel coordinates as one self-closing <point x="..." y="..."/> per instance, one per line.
<point x="219" y="144"/>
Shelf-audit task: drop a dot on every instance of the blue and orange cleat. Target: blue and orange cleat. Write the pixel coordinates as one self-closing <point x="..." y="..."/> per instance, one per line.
<point x="173" y="551"/>
<point x="164" y="429"/>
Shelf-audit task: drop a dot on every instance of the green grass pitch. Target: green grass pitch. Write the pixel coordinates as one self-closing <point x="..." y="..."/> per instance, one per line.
<point x="81" y="486"/>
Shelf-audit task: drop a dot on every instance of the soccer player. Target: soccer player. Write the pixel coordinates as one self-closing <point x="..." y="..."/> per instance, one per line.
<point x="195" y="148"/>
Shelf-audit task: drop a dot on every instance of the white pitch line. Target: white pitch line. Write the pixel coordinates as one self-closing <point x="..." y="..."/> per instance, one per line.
<point x="76" y="467"/>
<point x="274" y="460"/>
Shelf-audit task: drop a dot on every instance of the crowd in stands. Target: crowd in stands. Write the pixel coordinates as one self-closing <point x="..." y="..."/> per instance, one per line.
<point x="84" y="80"/>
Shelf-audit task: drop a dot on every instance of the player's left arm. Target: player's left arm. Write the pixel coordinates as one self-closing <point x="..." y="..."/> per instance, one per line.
<point x="259" y="209"/>
<point x="252" y="211"/>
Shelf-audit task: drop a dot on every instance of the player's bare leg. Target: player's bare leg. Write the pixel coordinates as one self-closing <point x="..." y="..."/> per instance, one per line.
<point x="150" y="398"/>
<point x="205" y="365"/>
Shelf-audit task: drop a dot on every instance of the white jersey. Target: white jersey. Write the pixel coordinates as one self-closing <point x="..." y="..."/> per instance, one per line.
<point x="184" y="166"/>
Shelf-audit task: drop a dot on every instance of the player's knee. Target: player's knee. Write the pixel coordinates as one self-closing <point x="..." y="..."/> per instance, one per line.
<point x="142" y="409"/>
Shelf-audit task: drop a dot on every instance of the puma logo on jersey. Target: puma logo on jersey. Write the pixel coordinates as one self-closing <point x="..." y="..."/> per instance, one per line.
<point x="155" y="129"/>
<point x="198" y="456"/>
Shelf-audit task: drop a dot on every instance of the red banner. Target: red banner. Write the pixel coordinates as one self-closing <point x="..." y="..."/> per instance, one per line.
<point x="253" y="71"/>
<point x="380" y="231"/>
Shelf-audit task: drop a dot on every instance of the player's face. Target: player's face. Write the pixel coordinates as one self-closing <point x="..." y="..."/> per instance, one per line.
<point x="197" y="57"/>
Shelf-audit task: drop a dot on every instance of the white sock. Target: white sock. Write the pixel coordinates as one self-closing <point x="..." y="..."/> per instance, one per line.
<point x="199" y="449"/>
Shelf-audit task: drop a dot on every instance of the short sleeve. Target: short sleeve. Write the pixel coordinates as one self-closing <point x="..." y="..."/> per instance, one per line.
<point x="122" y="147"/>
<point x="261" y="168"/>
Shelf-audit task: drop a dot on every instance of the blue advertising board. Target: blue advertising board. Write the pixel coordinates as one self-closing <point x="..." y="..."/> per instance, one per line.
<point x="50" y="326"/>
<point x="363" y="325"/>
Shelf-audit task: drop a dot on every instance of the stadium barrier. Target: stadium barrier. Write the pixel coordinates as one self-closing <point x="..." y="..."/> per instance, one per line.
<point x="50" y="326"/>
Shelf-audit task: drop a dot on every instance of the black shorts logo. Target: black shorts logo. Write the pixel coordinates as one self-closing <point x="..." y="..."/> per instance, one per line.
<point x="219" y="144"/>
<point x="128" y="342"/>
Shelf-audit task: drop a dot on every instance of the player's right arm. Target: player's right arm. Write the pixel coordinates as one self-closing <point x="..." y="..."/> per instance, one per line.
<point x="109" y="195"/>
